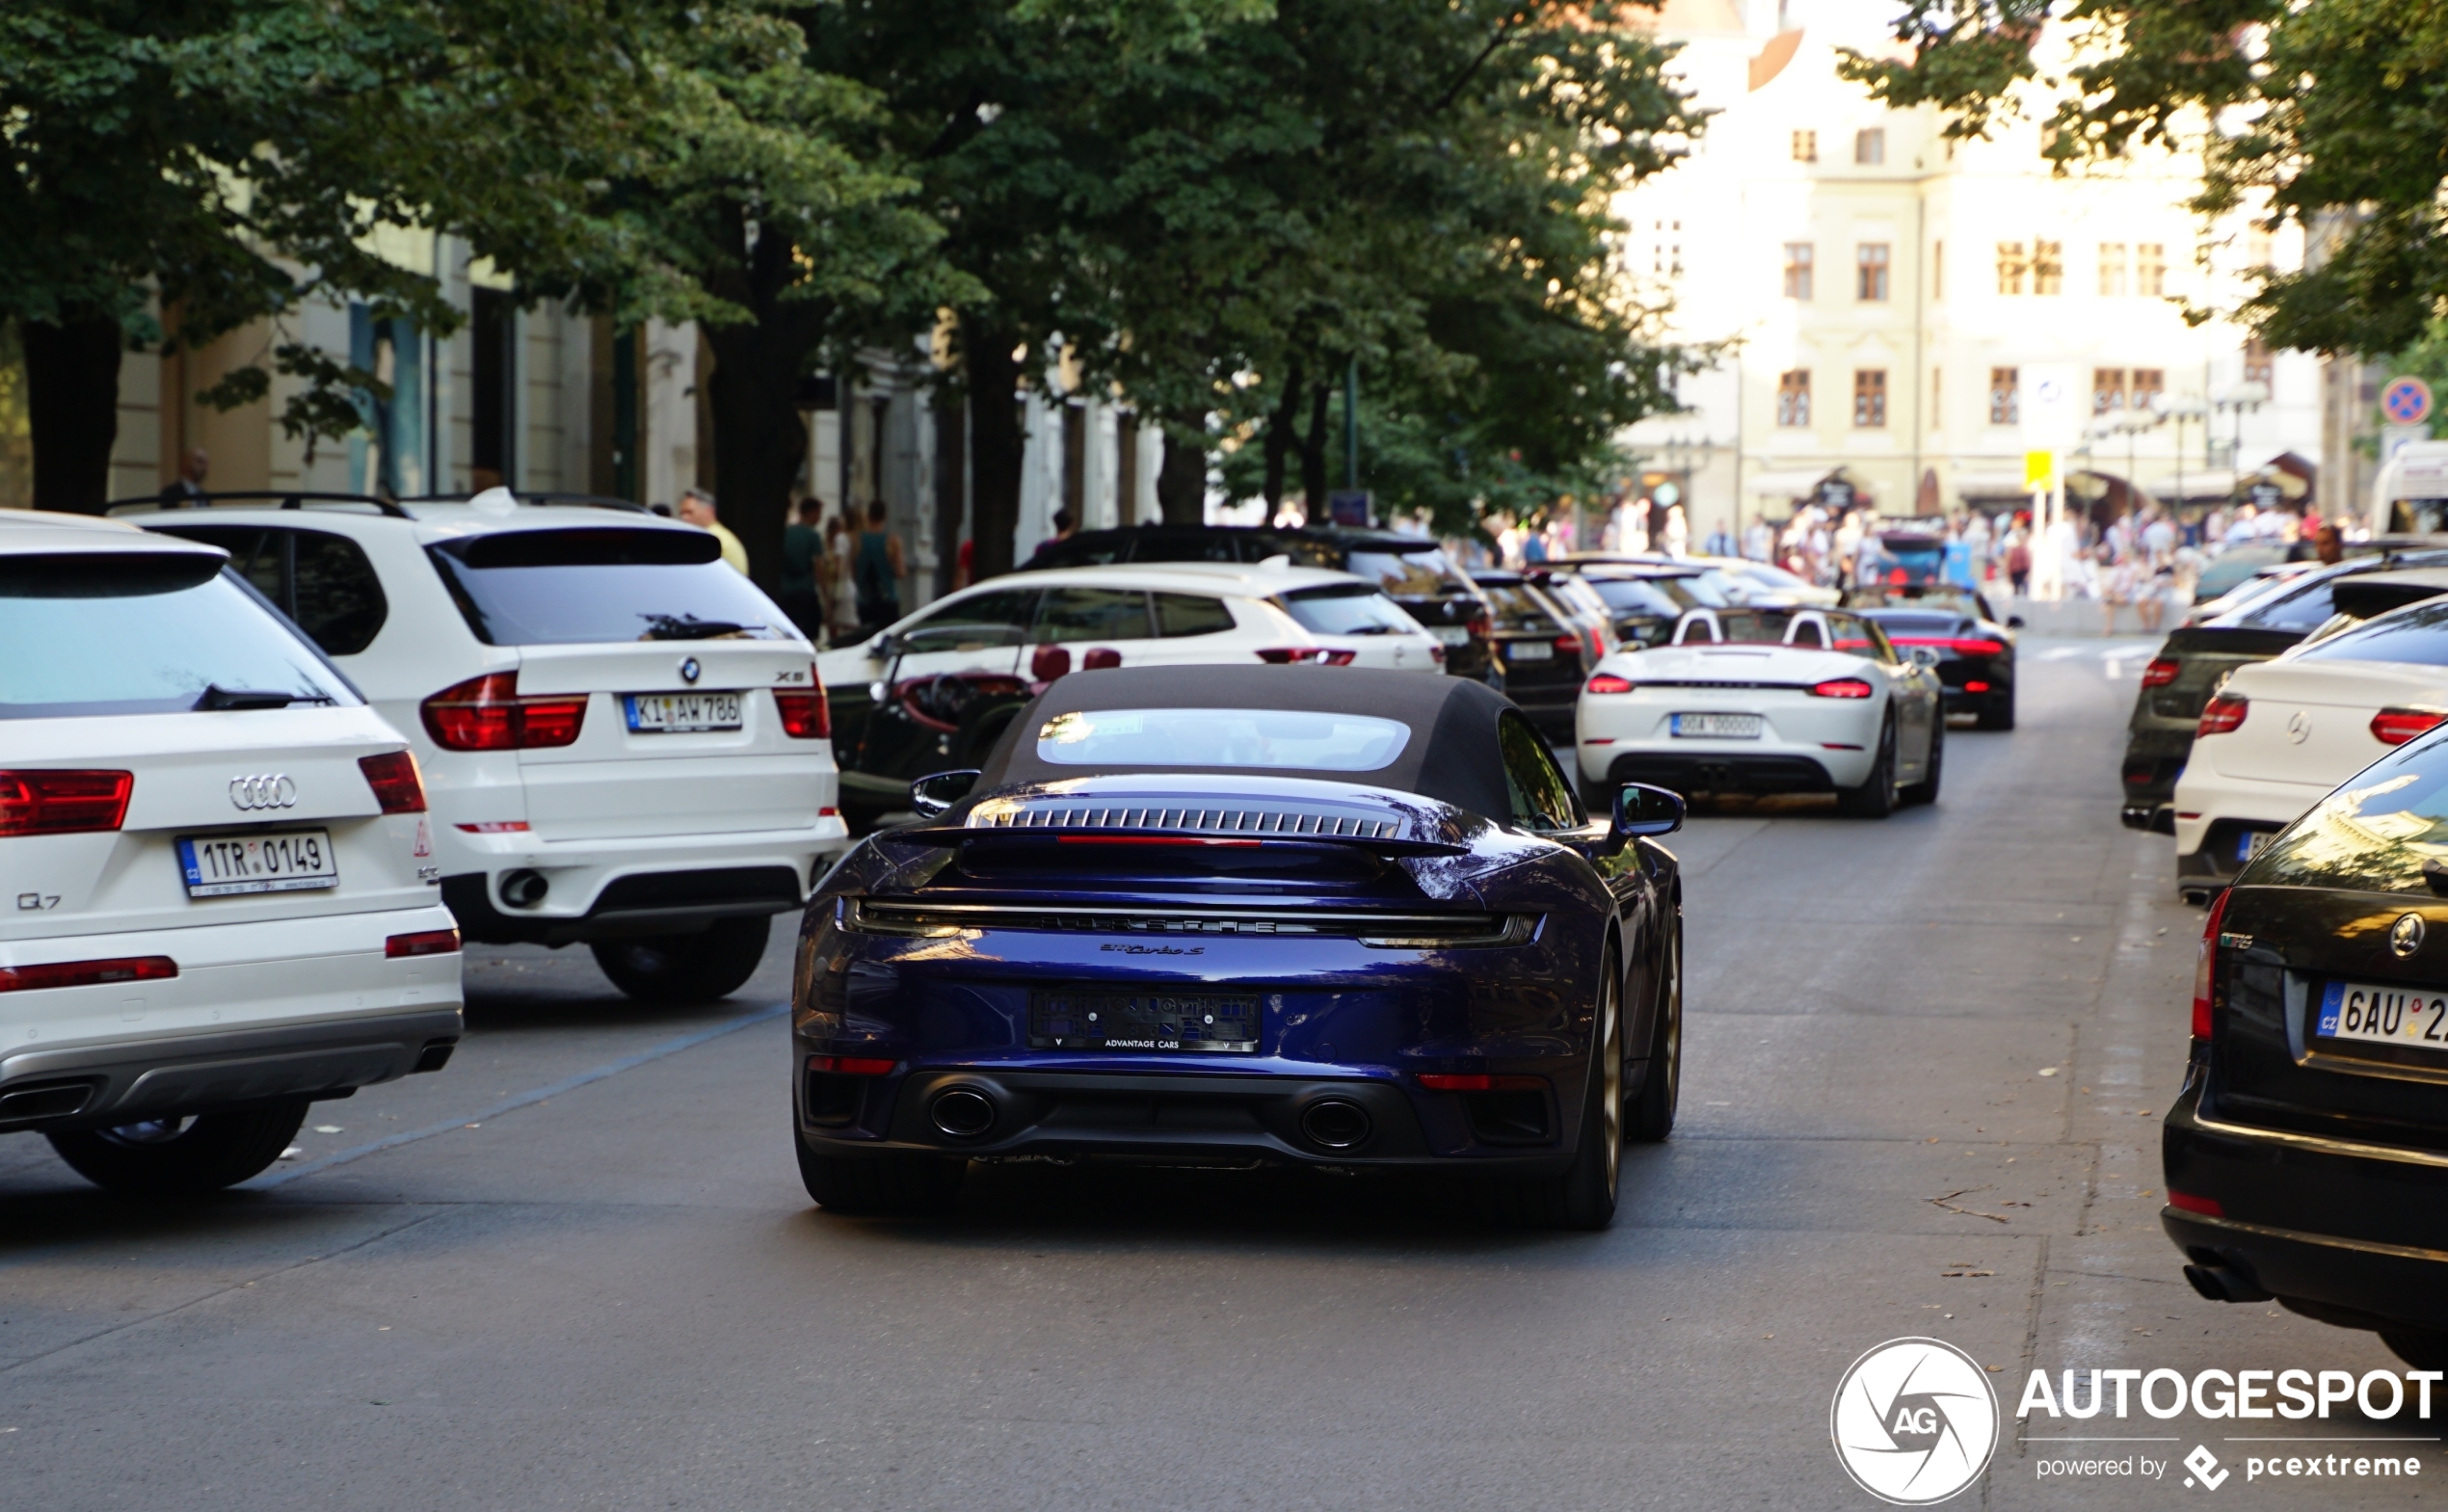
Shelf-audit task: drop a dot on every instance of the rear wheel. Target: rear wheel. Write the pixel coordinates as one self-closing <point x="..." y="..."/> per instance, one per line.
<point x="1925" y="791"/>
<point x="182" y="1157"/>
<point x="1651" y="1116"/>
<point x="893" y="1183"/>
<point x="1583" y="1195"/>
<point x="665" y="969"/>
<point x="1876" y="797"/>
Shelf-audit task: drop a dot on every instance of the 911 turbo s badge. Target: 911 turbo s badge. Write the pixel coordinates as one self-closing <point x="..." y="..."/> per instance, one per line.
<point x="2405" y="936"/>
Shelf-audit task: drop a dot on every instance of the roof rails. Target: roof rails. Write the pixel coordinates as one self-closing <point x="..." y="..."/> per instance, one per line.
<point x="290" y="498"/>
<point x="542" y="499"/>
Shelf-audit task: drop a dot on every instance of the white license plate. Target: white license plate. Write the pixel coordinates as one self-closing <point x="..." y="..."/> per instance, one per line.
<point x="2383" y="1015"/>
<point x="292" y="860"/>
<point x="1716" y="727"/>
<point x="683" y="714"/>
<point x="1530" y="650"/>
<point x="1450" y="634"/>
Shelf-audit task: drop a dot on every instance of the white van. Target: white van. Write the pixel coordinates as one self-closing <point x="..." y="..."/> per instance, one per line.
<point x="2410" y="497"/>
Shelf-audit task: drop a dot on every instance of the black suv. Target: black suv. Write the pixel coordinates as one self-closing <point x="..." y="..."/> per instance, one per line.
<point x="1413" y="571"/>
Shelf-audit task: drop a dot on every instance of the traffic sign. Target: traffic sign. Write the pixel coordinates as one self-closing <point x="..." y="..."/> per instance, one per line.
<point x="2040" y="471"/>
<point x="2406" y="401"/>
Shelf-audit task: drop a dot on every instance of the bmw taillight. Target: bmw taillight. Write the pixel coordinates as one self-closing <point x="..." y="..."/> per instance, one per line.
<point x="1305" y="656"/>
<point x="2222" y="716"/>
<point x="807" y="714"/>
<point x="2394" y="727"/>
<point x="2160" y="671"/>
<point x="1841" y="688"/>
<point x="488" y="714"/>
<point x="392" y="775"/>
<point x="1608" y="682"/>
<point x="62" y="803"/>
<point x="2205" y="968"/>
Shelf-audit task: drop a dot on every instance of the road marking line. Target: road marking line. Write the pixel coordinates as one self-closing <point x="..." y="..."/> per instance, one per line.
<point x="522" y="1099"/>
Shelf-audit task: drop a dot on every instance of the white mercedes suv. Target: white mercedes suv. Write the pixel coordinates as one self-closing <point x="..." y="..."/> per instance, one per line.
<point x="624" y="742"/>
<point x="218" y="903"/>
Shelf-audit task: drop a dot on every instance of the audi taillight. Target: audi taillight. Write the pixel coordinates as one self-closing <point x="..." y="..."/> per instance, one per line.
<point x="2394" y="727"/>
<point x="807" y="714"/>
<point x="488" y="714"/>
<point x="1841" y="688"/>
<point x="2205" y="967"/>
<point x="423" y="942"/>
<point x="392" y="775"/>
<point x="2160" y="671"/>
<point x="1608" y="682"/>
<point x="86" y="974"/>
<point x="2220" y="716"/>
<point x="62" y="803"/>
<point x="1305" y="656"/>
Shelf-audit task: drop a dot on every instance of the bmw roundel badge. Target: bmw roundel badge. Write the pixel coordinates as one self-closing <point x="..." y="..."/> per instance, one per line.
<point x="689" y="669"/>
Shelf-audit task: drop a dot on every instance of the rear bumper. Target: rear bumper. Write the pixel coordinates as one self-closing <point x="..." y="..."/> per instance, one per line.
<point x="2346" y="1231"/>
<point x="637" y="904"/>
<point x="2224" y="810"/>
<point x="1722" y="771"/>
<point x="122" y="1082"/>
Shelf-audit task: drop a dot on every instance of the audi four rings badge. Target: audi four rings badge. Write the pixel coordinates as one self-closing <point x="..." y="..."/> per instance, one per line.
<point x="689" y="670"/>
<point x="265" y="790"/>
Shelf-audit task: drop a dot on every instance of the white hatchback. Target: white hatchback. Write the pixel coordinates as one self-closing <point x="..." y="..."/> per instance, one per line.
<point x="624" y="741"/>
<point x="217" y="905"/>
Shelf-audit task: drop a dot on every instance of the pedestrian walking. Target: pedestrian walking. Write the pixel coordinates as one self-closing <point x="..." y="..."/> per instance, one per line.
<point x="187" y="490"/>
<point x="802" y="568"/>
<point x="877" y="570"/>
<point x="2018" y="562"/>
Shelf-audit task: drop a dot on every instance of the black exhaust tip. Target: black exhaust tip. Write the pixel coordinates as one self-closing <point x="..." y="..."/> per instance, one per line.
<point x="962" y="1113"/>
<point x="1335" y="1124"/>
<point x="523" y="888"/>
<point x="2224" y="1283"/>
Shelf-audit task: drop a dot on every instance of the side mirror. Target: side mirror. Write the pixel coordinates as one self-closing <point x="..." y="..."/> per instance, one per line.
<point x="931" y="795"/>
<point x="1642" y="809"/>
<point x="2015" y="622"/>
<point x="882" y="646"/>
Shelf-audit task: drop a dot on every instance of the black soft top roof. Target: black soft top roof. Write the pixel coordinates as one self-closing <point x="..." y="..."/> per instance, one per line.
<point x="1452" y="755"/>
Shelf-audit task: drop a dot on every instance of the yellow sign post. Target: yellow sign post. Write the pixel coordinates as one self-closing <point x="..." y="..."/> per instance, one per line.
<point x="2040" y="471"/>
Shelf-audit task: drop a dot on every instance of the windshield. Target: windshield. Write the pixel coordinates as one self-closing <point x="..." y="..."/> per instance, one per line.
<point x="1513" y="607"/>
<point x="1936" y="598"/>
<point x="146" y="635"/>
<point x="2373" y="834"/>
<point x="601" y="584"/>
<point x="2305" y="608"/>
<point x="2230" y="567"/>
<point x="1803" y="627"/>
<point x="1420" y="572"/>
<point x="1209" y="738"/>
<point x="1348" y="609"/>
<point x="2418" y="634"/>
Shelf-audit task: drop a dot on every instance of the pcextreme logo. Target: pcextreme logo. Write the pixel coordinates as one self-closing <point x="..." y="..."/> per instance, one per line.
<point x="1914" y="1421"/>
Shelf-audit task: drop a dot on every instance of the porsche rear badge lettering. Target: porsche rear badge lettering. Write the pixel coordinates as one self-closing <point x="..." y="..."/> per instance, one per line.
<point x="1156" y="950"/>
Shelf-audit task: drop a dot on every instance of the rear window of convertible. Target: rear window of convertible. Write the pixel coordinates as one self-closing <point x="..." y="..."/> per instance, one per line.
<point x="1281" y="739"/>
<point x="597" y="584"/>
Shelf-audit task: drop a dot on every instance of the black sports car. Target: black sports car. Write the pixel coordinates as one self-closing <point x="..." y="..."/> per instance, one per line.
<point x="1299" y="915"/>
<point x="1974" y="646"/>
<point x="2307" y="1153"/>
<point x="1543" y="656"/>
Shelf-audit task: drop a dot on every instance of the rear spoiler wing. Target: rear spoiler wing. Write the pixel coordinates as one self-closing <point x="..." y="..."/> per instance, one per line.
<point x="1083" y="835"/>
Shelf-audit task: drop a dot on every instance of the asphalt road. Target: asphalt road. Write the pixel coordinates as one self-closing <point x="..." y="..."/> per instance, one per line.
<point x="1926" y="1057"/>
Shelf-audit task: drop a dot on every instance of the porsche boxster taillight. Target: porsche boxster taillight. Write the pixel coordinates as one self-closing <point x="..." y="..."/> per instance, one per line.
<point x="2394" y="727"/>
<point x="62" y="803"/>
<point x="807" y="714"/>
<point x="2160" y="671"/>
<point x="1841" y="688"/>
<point x="487" y="714"/>
<point x="1608" y="682"/>
<point x="1305" y="656"/>
<point x="2205" y="968"/>
<point x="2222" y="716"/>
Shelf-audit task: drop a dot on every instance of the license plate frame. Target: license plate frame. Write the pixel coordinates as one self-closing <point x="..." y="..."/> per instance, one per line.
<point x="235" y="865"/>
<point x="1712" y="725"/>
<point x="2380" y="1014"/>
<point x="722" y="712"/>
<point x="1529" y="651"/>
<point x="1080" y="1018"/>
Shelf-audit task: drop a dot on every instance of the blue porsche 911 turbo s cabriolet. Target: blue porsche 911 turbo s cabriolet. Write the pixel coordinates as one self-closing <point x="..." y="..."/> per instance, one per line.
<point x="1297" y="916"/>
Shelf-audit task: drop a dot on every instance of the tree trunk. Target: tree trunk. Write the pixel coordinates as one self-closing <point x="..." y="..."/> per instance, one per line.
<point x="1313" y="457"/>
<point x="996" y="444"/>
<point x="951" y="486"/>
<point x="1180" y="483"/>
<point x="760" y="441"/>
<point x="1280" y="439"/>
<point x="72" y="375"/>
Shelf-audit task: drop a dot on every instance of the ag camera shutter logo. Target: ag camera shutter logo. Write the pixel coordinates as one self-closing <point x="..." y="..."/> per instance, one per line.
<point x="1914" y="1421"/>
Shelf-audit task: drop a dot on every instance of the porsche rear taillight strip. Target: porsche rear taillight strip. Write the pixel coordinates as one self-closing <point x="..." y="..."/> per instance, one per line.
<point x="1233" y="821"/>
<point x="868" y="915"/>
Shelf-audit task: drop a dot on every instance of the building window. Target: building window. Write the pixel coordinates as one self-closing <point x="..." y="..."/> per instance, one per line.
<point x="1805" y="147"/>
<point x="1937" y="270"/>
<point x="1798" y="270"/>
<point x="2257" y="365"/>
<point x="2005" y="396"/>
<point x="2010" y="266"/>
<point x="1870" y="148"/>
<point x="2150" y="386"/>
<point x="2108" y="390"/>
<point x="2112" y="270"/>
<point x="1793" y="397"/>
<point x="1870" y="398"/>
<point x="2048" y="267"/>
<point x="1870" y="273"/>
<point x="2150" y="269"/>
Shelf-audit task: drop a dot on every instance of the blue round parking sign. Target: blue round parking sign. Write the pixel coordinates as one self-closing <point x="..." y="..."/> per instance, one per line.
<point x="2405" y="401"/>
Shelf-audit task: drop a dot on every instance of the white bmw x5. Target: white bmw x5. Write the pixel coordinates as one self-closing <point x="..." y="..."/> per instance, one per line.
<point x="212" y="910"/>
<point x="624" y="742"/>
